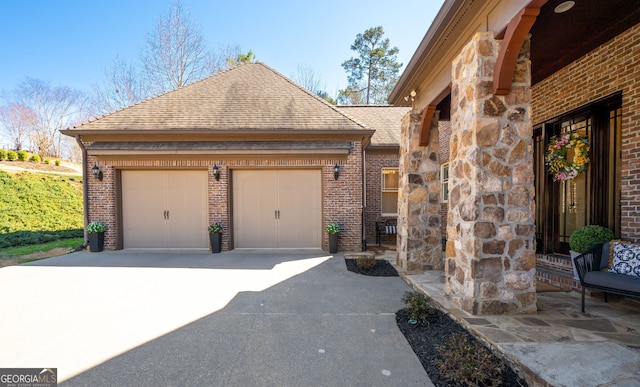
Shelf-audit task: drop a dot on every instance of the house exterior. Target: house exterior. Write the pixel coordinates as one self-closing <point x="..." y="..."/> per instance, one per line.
<point x="490" y="85"/>
<point x="381" y="159"/>
<point x="247" y="148"/>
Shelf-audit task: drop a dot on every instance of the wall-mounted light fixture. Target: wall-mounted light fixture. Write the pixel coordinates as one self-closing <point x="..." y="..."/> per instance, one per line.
<point x="96" y="171"/>
<point x="216" y="172"/>
<point x="411" y="96"/>
<point x="336" y="172"/>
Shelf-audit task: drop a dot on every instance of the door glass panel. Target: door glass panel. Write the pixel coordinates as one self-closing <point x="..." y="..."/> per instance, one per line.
<point x="574" y="194"/>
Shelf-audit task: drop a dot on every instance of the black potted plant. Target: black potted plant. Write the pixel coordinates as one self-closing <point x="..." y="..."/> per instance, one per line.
<point x="585" y="238"/>
<point x="95" y="231"/>
<point x="215" y="237"/>
<point x="333" y="229"/>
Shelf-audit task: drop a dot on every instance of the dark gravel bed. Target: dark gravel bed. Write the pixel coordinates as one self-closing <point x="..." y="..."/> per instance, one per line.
<point x="426" y="339"/>
<point x="382" y="268"/>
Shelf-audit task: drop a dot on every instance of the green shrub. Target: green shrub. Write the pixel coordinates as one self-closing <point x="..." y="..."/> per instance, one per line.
<point x="57" y="163"/>
<point x="419" y="306"/>
<point x="3" y="154"/>
<point x="469" y="364"/>
<point x="23" y="238"/>
<point x="35" y="158"/>
<point x="47" y="161"/>
<point x="23" y="155"/>
<point x="366" y="262"/>
<point x="94" y="227"/>
<point x="586" y="237"/>
<point x="333" y="228"/>
<point x="11" y="155"/>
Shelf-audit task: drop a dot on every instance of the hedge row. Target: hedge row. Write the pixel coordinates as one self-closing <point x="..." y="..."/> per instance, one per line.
<point x="23" y="155"/>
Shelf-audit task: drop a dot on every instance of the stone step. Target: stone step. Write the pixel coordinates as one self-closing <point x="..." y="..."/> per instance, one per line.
<point x="560" y="278"/>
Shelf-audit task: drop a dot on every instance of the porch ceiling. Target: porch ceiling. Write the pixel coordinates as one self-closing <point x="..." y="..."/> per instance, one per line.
<point x="559" y="39"/>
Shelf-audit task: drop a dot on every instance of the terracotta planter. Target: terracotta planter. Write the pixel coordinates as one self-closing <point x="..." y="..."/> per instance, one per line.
<point x="333" y="243"/>
<point x="216" y="242"/>
<point x="96" y="242"/>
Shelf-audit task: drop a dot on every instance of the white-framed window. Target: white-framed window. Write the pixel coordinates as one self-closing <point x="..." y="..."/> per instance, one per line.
<point x="389" y="203"/>
<point x="444" y="180"/>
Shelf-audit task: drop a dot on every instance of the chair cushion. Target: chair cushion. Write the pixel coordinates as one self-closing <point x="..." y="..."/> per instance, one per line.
<point x="391" y="229"/>
<point x="611" y="280"/>
<point x="626" y="259"/>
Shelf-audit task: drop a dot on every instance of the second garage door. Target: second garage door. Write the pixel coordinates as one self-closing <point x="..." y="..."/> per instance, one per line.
<point x="164" y="209"/>
<point x="277" y="209"/>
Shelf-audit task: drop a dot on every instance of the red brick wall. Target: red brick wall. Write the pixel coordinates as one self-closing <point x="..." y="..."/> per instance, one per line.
<point x="375" y="161"/>
<point x="612" y="67"/>
<point x="342" y="198"/>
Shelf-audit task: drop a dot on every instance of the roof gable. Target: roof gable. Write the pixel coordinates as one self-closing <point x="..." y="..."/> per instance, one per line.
<point x="251" y="96"/>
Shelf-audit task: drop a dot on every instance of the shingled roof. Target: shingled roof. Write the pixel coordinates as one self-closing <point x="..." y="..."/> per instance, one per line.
<point x="251" y="96"/>
<point x="384" y="119"/>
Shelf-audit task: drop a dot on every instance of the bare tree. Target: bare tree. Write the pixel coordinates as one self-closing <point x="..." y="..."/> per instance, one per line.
<point x="17" y="121"/>
<point x="175" y="53"/>
<point x="50" y="110"/>
<point x="124" y="86"/>
<point x="307" y="77"/>
<point x="219" y="60"/>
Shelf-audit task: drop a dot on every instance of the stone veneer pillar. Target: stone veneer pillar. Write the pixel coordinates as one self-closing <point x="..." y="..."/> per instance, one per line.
<point x="490" y="256"/>
<point x="419" y="221"/>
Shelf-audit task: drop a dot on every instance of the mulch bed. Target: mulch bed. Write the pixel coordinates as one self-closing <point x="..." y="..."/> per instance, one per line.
<point x="382" y="268"/>
<point x="425" y="340"/>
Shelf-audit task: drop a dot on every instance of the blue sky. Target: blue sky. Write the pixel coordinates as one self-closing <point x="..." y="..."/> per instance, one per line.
<point x="71" y="42"/>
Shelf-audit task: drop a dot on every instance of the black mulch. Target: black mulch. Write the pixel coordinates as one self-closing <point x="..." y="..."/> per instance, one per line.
<point x="382" y="268"/>
<point x="426" y="339"/>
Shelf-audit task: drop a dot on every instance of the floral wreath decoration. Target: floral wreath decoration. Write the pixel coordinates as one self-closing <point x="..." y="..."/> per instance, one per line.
<point x="556" y="157"/>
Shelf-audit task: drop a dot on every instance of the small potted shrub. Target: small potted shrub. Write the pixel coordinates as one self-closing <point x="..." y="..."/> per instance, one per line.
<point x="333" y="229"/>
<point x="95" y="230"/>
<point x="215" y="237"/>
<point x="585" y="238"/>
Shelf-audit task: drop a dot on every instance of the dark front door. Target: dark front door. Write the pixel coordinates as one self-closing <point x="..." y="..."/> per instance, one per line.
<point x="594" y="196"/>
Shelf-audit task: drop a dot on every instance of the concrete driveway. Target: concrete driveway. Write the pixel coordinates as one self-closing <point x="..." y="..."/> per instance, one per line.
<point x="193" y="318"/>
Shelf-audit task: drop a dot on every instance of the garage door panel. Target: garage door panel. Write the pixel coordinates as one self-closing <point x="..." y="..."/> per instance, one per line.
<point x="164" y="209"/>
<point x="254" y="216"/>
<point x="300" y="212"/>
<point x="277" y="209"/>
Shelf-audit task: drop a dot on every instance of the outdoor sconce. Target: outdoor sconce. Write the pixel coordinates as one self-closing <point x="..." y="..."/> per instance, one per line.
<point x="336" y="172"/>
<point x="96" y="171"/>
<point x="216" y="172"/>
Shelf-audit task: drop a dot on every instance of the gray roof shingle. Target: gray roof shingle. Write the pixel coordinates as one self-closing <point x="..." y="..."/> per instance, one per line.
<point x="251" y="96"/>
<point x="386" y="120"/>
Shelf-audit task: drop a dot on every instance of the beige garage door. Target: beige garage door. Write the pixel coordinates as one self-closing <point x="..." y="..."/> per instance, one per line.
<point x="164" y="209"/>
<point x="277" y="209"/>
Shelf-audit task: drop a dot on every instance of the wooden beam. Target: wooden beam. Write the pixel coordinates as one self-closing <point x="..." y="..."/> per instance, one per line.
<point x="517" y="31"/>
<point x="425" y="125"/>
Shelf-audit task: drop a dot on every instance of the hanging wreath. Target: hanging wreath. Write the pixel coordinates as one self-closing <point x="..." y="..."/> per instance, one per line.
<point x="557" y="161"/>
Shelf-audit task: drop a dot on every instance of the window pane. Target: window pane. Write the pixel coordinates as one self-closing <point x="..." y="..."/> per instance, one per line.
<point x="389" y="179"/>
<point x="389" y="202"/>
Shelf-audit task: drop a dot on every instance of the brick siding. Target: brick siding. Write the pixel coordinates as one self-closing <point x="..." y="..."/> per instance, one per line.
<point x="375" y="162"/>
<point x="341" y="199"/>
<point x="612" y="67"/>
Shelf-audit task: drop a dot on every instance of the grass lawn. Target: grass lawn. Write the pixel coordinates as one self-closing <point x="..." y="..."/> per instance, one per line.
<point x="22" y="254"/>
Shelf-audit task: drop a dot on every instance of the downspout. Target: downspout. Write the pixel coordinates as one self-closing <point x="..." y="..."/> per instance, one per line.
<point x="364" y="202"/>
<point x="85" y="191"/>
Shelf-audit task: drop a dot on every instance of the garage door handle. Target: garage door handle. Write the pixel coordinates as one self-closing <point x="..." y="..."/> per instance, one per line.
<point x="167" y="214"/>
<point x="277" y="214"/>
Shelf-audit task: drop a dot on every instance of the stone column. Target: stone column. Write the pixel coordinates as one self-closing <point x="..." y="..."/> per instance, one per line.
<point x="490" y="257"/>
<point x="419" y="220"/>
